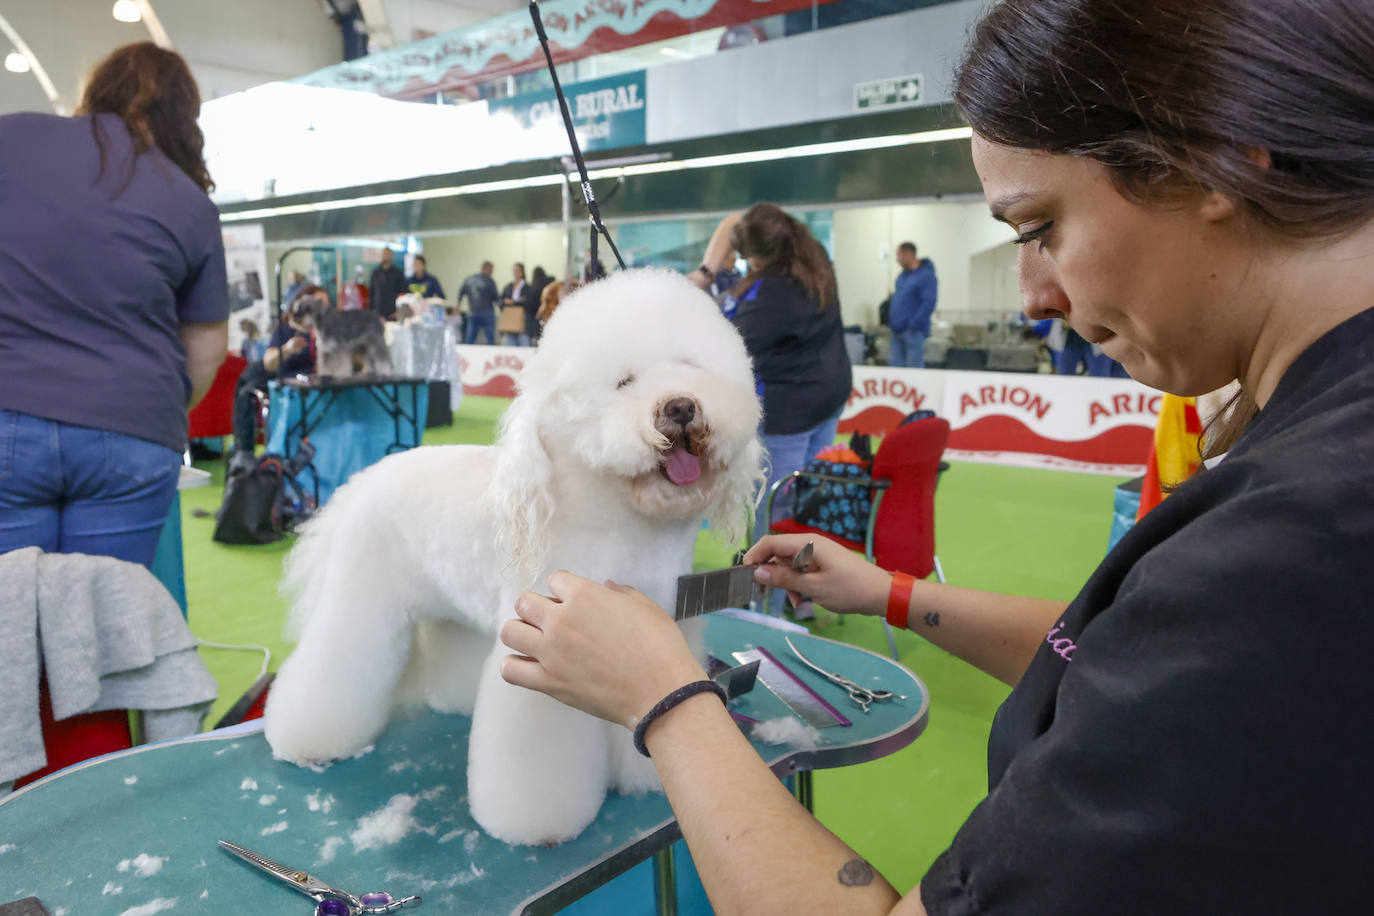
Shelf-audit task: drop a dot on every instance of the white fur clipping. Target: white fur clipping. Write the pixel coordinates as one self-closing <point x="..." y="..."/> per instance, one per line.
<point x="787" y="730"/>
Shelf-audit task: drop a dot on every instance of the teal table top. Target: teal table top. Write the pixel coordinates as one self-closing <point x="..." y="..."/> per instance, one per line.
<point x="135" y="832"/>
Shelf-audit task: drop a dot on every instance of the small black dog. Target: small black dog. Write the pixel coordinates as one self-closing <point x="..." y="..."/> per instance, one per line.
<point x="347" y="344"/>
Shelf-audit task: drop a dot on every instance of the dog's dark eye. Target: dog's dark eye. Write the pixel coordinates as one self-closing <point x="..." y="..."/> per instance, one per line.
<point x="629" y="379"/>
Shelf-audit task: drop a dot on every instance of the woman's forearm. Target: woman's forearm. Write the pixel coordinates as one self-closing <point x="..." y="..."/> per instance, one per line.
<point x="205" y="344"/>
<point x="995" y="633"/>
<point x="719" y="251"/>
<point x="756" y="849"/>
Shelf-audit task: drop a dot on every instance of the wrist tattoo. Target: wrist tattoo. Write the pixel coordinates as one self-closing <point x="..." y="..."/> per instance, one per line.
<point x="932" y="619"/>
<point x="856" y="873"/>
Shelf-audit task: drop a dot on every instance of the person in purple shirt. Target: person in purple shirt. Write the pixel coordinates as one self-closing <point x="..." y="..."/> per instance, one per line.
<point x="102" y="355"/>
<point x="913" y="302"/>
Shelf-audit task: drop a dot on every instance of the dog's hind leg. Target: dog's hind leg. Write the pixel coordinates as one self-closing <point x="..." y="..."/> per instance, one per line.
<point x="536" y="768"/>
<point x="333" y="695"/>
<point x="445" y="665"/>
<point x="631" y="772"/>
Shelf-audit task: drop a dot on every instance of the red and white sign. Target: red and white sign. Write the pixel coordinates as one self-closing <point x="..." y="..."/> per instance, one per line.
<point x="1098" y="425"/>
<point x="1075" y="423"/>
<point x="491" y="371"/>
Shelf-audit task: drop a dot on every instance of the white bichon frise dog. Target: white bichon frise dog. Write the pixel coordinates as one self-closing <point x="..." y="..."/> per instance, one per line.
<point x="637" y="418"/>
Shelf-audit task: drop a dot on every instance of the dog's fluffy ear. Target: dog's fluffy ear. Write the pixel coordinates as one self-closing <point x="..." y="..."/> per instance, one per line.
<point x="519" y="499"/>
<point x="732" y="515"/>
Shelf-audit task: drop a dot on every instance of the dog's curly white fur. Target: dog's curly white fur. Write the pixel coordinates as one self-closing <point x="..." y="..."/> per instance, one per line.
<point x="636" y="419"/>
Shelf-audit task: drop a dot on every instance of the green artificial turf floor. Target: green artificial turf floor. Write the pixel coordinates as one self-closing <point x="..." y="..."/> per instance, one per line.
<point x="1030" y="532"/>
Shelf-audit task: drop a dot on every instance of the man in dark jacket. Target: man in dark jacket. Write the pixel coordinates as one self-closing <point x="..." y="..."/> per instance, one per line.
<point x="482" y="295"/>
<point x="387" y="283"/>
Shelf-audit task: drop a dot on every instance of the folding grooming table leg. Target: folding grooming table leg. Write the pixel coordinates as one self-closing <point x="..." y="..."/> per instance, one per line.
<point x="665" y="883"/>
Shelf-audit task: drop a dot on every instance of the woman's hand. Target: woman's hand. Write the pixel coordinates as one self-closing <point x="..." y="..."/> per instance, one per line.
<point x="838" y="579"/>
<point x="604" y="649"/>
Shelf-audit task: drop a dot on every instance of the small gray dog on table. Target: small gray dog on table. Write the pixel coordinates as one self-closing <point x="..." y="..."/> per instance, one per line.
<point x="636" y="419"/>
<point x="348" y="344"/>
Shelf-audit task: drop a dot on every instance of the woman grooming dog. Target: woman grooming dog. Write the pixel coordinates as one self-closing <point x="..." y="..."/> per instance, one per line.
<point x="1193" y="188"/>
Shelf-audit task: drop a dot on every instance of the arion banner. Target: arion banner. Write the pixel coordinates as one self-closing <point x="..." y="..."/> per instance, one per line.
<point x="1075" y="423"/>
<point x="1098" y="425"/>
<point x="491" y="371"/>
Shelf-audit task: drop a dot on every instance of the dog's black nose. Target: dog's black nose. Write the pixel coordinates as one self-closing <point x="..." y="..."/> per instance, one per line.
<point x="680" y="410"/>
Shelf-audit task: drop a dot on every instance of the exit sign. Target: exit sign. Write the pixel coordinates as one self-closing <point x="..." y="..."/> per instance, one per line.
<point x="888" y="93"/>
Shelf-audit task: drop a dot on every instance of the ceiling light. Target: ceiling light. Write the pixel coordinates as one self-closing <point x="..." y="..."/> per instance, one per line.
<point x="127" y="11"/>
<point x="16" y="62"/>
<point x="638" y="168"/>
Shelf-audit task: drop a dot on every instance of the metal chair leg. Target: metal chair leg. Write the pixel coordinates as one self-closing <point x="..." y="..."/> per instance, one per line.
<point x="803" y="790"/>
<point x="891" y="640"/>
<point x="665" y="883"/>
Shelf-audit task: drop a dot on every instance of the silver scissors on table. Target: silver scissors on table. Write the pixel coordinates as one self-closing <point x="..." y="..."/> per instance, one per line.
<point x="329" y="901"/>
<point x="862" y="697"/>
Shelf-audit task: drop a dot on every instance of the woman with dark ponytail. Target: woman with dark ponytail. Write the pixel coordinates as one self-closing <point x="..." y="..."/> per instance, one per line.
<point x="788" y="311"/>
<point x="1192" y="184"/>
<point x="113" y="308"/>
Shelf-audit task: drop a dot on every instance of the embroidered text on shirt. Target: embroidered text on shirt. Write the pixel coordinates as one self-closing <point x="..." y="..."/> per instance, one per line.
<point x="1063" y="647"/>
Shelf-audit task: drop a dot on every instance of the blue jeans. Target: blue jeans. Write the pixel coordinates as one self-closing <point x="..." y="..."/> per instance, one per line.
<point x="516" y="340"/>
<point x="486" y="323"/>
<point x="787" y="454"/>
<point x="908" y="349"/>
<point x="790" y="453"/>
<point x="73" y="489"/>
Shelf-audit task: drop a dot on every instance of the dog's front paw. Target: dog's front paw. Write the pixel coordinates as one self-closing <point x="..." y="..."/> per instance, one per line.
<point x="311" y="727"/>
<point x="309" y="744"/>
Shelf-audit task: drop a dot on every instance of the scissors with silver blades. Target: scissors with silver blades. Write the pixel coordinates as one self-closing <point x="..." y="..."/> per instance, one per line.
<point x="330" y="901"/>
<point x="861" y="696"/>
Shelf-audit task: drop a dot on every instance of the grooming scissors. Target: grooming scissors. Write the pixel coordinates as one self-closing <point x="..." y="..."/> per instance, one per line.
<point x="330" y="901"/>
<point x="862" y="697"/>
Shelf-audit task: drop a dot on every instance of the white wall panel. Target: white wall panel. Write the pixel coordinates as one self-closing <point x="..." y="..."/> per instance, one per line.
<point x="807" y="77"/>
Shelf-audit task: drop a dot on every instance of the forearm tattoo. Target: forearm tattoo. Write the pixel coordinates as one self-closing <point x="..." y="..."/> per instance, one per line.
<point x="932" y="619"/>
<point x="856" y="873"/>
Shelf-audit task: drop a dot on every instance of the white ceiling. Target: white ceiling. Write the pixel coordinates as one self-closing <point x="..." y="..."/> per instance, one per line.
<point x="231" y="45"/>
<point x="410" y="20"/>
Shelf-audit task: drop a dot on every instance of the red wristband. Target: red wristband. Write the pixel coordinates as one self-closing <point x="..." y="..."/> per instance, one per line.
<point x="899" y="599"/>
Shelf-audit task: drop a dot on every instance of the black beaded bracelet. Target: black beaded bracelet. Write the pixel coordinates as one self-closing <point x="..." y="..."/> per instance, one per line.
<point x="668" y="702"/>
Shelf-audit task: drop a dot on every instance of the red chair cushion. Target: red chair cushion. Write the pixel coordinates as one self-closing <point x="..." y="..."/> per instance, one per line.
<point x="78" y="738"/>
<point x="214" y="415"/>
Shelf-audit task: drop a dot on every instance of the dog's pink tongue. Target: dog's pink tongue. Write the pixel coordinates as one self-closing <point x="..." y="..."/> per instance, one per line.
<point x="682" y="467"/>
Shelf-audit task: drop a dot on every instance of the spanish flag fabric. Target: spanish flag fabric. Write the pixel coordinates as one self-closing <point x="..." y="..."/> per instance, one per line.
<point x="1175" y="452"/>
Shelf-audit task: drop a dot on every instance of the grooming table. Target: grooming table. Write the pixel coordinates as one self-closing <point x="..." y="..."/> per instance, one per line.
<point x="352" y="423"/>
<point x="72" y="838"/>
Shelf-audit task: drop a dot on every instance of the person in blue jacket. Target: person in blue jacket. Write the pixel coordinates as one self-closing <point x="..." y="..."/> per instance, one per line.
<point x="913" y="303"/>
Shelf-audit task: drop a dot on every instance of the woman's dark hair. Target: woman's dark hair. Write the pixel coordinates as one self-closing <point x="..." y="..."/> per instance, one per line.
<point x="152" y="91"/>
<point x="539" y="276"/>
<point x="784" y="247"/>
<point x="1269" y="102"/>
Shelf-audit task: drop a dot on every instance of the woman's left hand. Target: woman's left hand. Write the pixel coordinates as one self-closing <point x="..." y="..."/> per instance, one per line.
<point x="604" y="649"/>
